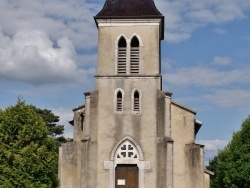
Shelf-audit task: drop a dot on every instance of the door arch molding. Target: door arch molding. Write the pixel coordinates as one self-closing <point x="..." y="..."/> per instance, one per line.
<point x="123" y="140"/>
<point x="114" y="160"/>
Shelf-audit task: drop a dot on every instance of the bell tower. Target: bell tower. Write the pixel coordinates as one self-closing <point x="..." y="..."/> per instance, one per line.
<point x="130" y="133"/>
<point x="128" y="80"/>
<point x="129" y="38"/>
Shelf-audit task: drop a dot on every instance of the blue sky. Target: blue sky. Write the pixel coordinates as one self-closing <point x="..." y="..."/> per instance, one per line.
<point x="48" y="56"/>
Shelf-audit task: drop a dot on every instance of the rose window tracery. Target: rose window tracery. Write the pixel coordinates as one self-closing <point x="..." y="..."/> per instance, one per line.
<point x="127" y="152"/>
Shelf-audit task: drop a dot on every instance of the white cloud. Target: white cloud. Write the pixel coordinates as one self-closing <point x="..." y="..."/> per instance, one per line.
<point x="220" y="31"/>
<point x="182" y="17"/>
<point x="244" y="52"/>
<point x="31" y="56"/>
<point x="224" y="88"/>
<point x="177" y="37"/>
<point x="74" y="18"/>
<point x="206" y="77"/>
<point x="221" y="60"/>
<point x="230" y="98"/>
<point x="58" y="19"/>
<point x="213" y="145"/>
<point x="211" y="148"/>
<point x="65" y="116"/>
<point x="39" y="40"/>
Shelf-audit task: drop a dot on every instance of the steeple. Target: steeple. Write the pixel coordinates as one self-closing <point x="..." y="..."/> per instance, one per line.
<point x="129" y="9"/>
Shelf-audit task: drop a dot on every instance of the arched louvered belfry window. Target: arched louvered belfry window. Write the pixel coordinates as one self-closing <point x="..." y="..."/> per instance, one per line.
<point x="122" y="54"/>
<point x="119" y="101"/>
<point x="136" y="101"/>
<point x="134" y="56"/>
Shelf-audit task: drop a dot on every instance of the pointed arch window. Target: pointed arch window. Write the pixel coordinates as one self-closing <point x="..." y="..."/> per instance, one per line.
<point x="136" y="101"/>
<point x="134" y="56"/>
<point x="119" y="101"/>
<point x="127" y="152"/>
<point x="122" y="56"/>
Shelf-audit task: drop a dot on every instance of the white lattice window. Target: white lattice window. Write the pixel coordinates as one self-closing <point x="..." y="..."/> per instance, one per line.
<point x="122" y="56"/>
<point x="134" y="56"/>
<point x="127" y="153"/>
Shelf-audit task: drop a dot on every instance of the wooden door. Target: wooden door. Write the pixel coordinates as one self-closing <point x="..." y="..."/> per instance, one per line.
<point x="126" y="176"/>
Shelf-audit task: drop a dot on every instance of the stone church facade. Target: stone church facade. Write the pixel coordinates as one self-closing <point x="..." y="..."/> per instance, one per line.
<point x="130" y="133"/>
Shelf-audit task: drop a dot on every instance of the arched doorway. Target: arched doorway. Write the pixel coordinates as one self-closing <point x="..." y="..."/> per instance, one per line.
<point x="126" y="170"/>
<point x="126" y="165"/>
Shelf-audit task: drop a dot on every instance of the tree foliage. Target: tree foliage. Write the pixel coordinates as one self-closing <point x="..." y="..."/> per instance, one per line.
<point x="232" y="165"/>
<point x="28" y="157"/>
<point x="51" y="120"/>
<point x="54" y="130"/>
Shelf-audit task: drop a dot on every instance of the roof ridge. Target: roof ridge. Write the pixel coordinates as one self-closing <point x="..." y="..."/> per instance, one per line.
<point x="127" y="8"/>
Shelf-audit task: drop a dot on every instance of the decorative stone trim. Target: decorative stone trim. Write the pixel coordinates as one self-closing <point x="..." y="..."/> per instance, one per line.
<point x="126" y="151"/>
<point x="127" y="22"/>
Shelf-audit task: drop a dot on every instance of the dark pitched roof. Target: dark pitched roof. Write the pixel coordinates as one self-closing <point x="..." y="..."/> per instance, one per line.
<point x="129" y="8"/>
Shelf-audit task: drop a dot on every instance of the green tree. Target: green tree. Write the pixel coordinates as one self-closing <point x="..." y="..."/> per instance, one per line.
<point x="232" y="165"/>
<point x="28" y="157"/>
<point x="51" y="120"/>
<point x="55" y="130"/>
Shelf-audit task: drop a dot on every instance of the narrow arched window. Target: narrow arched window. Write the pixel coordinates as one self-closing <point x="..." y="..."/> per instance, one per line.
<point x="119" y="101"/>
<point x="122" y="54"/>
<point x="82" y="120"/>
<point x="134" y="56"/>
<point x="136" y="101"/>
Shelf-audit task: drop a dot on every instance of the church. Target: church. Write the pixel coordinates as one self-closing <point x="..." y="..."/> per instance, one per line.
<point x="130" y="133"/>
